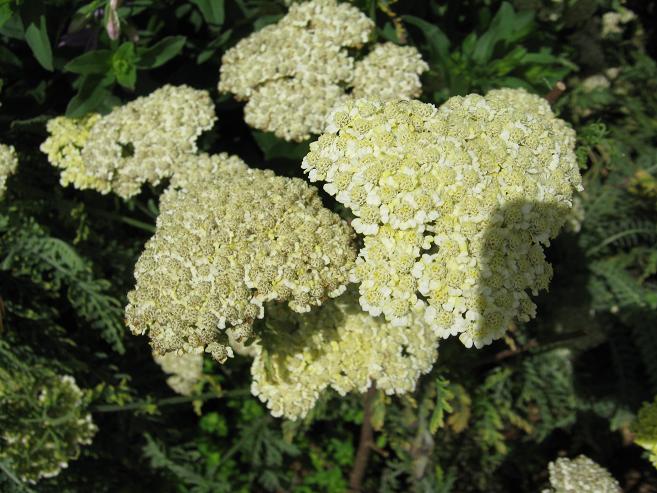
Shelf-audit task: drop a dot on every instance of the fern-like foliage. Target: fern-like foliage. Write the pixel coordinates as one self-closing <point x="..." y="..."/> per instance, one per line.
<point x="29" y="253"/>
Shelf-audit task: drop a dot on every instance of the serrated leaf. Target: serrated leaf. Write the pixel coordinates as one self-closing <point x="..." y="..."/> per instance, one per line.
<point x="161" y="52"/>
<point x="442" y="405"/>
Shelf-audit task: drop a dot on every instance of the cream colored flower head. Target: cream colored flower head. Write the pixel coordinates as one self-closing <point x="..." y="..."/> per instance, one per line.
<point x="8" y="165"/>
<point x="645" y="429"/>
<point x="294" y="72"/>
<point x="225" y="244"/>
<point x="185" y="370"/>
<point x="336" y="346"/>
<point x="454" y="203"/>
<point x="142" y="141"/>
<point x="580" y="475"/>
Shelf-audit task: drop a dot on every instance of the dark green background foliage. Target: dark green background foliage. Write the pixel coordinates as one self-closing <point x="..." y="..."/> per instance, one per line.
<point x="484" y="420"/>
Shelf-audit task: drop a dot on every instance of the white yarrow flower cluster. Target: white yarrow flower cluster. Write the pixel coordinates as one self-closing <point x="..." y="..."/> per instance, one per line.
<point x="8" y="165"/>
<point x="227" y="241"/>
<point x="336" y="346"/>
<point x="143" y="141"/>
<point x="294" y="72"/>
<point x="185" y="370"/>
<point x="455" y="204"/>
<point x="580" y="475"/>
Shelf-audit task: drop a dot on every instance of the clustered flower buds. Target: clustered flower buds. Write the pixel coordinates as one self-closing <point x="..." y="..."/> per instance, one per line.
<point x="8" y="164"/>
<point x="185" y="370"/>
<point x="455" y="204"/>
<point x="228" y="241"/>
<point x="295" y="71"/>
<point x="580" y="475"/>
<point x="336" y="346"/>
<point x="645" y="429"/>
<point x="142" y="141"/>
<point x="40" y="435"/>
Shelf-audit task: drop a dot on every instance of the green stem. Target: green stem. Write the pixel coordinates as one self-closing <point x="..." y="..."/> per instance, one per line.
<point x="13" y="477"/>
<point x="137" y="224"/>
<point x="150" y="228"/>
<point x="169" y="401"/>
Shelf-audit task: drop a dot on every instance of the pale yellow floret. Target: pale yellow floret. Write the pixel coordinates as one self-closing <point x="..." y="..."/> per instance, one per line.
<point x="229" y="239"/>
<point x="8" y="165"/>
<point x="63" y="147"/>
<point x="140" y="142"/>
<point x="389" y="72"/>
<point x="294" y="72"/>
<point x="455" y="204"/>
<point x="336" y="346"/>
<point x="580" y="475"/>
<point x="184" y="370"/>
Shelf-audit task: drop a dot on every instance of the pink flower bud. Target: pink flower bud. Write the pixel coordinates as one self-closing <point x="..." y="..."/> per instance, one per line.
<point x="113" y="25"/>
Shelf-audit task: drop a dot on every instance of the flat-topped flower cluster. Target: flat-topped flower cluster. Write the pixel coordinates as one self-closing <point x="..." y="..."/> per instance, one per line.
<point x="8" y="165"/>
<point x="454" y="202"/>
<point x="336" y="346"/>
<point x="294" y="72"/>
<point x="143" y="141"/>
<point x="580" y="475"/>
<point x="184" y="370"/>
<point x="227" y="242"/>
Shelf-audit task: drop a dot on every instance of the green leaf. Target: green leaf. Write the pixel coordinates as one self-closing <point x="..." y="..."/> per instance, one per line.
<point x="469" y="44"/>
<point x="6" y="12"/>
<point x="93" y="92"/>
<point x="265" y="20"/>
<point x="36" y="35"/>
<point x="437" y="40"/>
<point x="124" y="65"/>
<point x="161" y="52"/>
<point x="212" y="48"/>
<point x="507" y="26"/>
<point x="444" y="396"/>
<point x="93" y="62"/>
<point x="8" y="58"/>
<point x="212" y="10"/>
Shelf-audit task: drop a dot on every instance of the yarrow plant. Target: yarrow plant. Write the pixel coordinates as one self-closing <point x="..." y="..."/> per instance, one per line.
<point x="228" y="241"/>
<point x="580" y="475"/>
<point x="141" y="142"/>
<point x="455" y="204"/>
<point x="294" y="72"/>
<point x="645" y="430"/>
<point x="8" y="165"/>
<point x="335" y="346"/>
<point x="184" y="370"/>
<point x="44" y="424"/>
